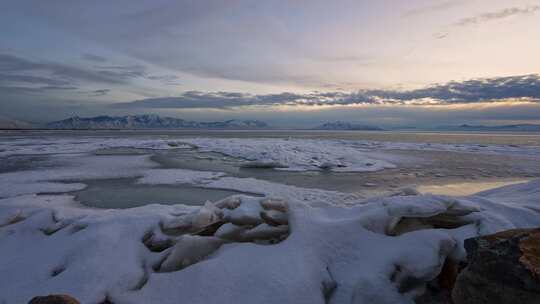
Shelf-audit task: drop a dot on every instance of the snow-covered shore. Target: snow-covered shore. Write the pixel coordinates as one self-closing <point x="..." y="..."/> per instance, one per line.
<point x="50" y="244"/>
<point x="293" y="245"/>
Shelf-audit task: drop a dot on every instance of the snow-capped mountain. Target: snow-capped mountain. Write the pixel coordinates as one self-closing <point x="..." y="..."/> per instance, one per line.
<point x="506" y="128"/>
<point x="341" y="125"/>
<point x="150" y="122"/>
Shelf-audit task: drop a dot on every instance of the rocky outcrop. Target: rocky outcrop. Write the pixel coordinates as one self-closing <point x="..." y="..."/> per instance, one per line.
<point x="54" y="299"/>
<point x="191" y="238"/>
<point x="502" y="268"/>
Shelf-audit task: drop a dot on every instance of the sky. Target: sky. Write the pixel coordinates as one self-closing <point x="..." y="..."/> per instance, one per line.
<point x="290" y="63"/>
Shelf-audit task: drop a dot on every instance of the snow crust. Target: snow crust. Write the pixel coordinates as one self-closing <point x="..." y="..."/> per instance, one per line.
<point x="69" y="170"/>
<point x="294" y="155"/>
<point x="71" y="145"/>
<point x="50" y="244"/>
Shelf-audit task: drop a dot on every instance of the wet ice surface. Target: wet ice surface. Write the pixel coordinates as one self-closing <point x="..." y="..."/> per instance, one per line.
<point x="311" y="161"/>
<point x="414" y="168"/>
<point x="125" y="193"/>
<point x="462" y="189"/>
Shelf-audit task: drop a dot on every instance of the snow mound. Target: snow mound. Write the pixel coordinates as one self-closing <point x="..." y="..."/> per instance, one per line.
<point x="245" y="249"/>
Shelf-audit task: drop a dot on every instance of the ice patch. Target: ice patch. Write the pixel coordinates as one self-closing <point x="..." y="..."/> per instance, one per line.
<point x="177" y="176"/>
<point x="294" y="155"/>
<point x="70" y="145"/>
<point x="70" y="168"/>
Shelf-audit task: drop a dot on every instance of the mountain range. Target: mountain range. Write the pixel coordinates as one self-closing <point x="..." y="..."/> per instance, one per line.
<point x="508" y="128"/>
<point x="341" y="125"/>
<point x="149" y="121"/>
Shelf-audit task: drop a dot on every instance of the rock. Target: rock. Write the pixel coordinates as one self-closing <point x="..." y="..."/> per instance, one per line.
<point x="265" y="232"/>
<point x="231" y="232"/>
<point x="449" y="272"/>
<point x="503" y="268"/>
<point x="274" y="218"/>
<point x="208" y="215"/>
<point x="54" y="299"/>
<point x="189" y="250"/>
<point x="274" y="204"/>
<point x="231" y="202"/>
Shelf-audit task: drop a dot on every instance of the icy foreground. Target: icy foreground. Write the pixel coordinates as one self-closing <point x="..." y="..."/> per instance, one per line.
<point x="245" y="249"/>
<point x="295" y="245"/>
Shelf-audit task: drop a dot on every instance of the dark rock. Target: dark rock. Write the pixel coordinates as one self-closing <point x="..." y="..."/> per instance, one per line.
<point x="439" y="290"/>
<point x="502" y="268"/>
<point x="54" y="299"/>
<point x="449" y="272"/>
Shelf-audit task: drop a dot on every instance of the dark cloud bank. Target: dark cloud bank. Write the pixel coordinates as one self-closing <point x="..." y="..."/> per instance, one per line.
<point x="22" y="75"/>
<point x="526" y="87"/>
<point x="502" y="14"/>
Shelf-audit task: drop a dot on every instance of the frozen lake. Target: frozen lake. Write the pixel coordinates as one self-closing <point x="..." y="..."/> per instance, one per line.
<point x="361" y="164"/>
<point x="139" y="212"/>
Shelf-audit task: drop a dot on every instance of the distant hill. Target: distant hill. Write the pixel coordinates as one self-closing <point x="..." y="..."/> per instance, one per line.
<point x="149" y="122"/>
<point x="13" y="124"/>
<point x="341" y="125"/>
<point x="515" y="128"/>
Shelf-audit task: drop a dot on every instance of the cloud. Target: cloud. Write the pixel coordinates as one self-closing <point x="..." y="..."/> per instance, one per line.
<point x="471" y="91"/>
<point x="13" y="65"/>
<point x="94" y="58"/>
<point x="124" y="72"/>
<point x="34" y="90"/>
<point x="502" y="14"/>
<point x="445" y="5"/>
<point x="21" y="75"/>
<point x="100" y="92"/>
<point x="30" y="79"/>
<point x="165" y="79"/>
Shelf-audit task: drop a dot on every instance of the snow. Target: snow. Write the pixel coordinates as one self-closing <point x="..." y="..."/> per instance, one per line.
<point x="294" y="155"/>
<point x="72" y="168"/>
<point x="293" y="245"/>
<point x="51" y="244"/>
<point x="178" y="176"/>
<point x="70" y="172"/>
<point x="218" y="180"/>
<point x="335" y="155"/>
<point x="459" y="147"/>
<point x="72" y="145"/>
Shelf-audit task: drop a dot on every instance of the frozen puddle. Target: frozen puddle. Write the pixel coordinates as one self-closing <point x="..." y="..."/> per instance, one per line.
<point x="459" y="189"/>
<point x="124" y="193"/>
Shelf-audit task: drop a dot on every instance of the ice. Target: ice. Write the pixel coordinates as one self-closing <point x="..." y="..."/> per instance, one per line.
<point x="51" y="244"/>
<point x="335" y="155"/>
<point x="292" y="245"/>
<point x="308" y="195"/>
<point x="72" y="168"/>
<point x="218" y="180"/>
<point x="294" y="155"/>
<point x="77" y="145"/>
<point x="178" y="176"/>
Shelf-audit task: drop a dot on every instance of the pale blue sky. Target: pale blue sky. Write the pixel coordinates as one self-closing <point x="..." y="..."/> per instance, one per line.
<point x="209" y="60"/>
